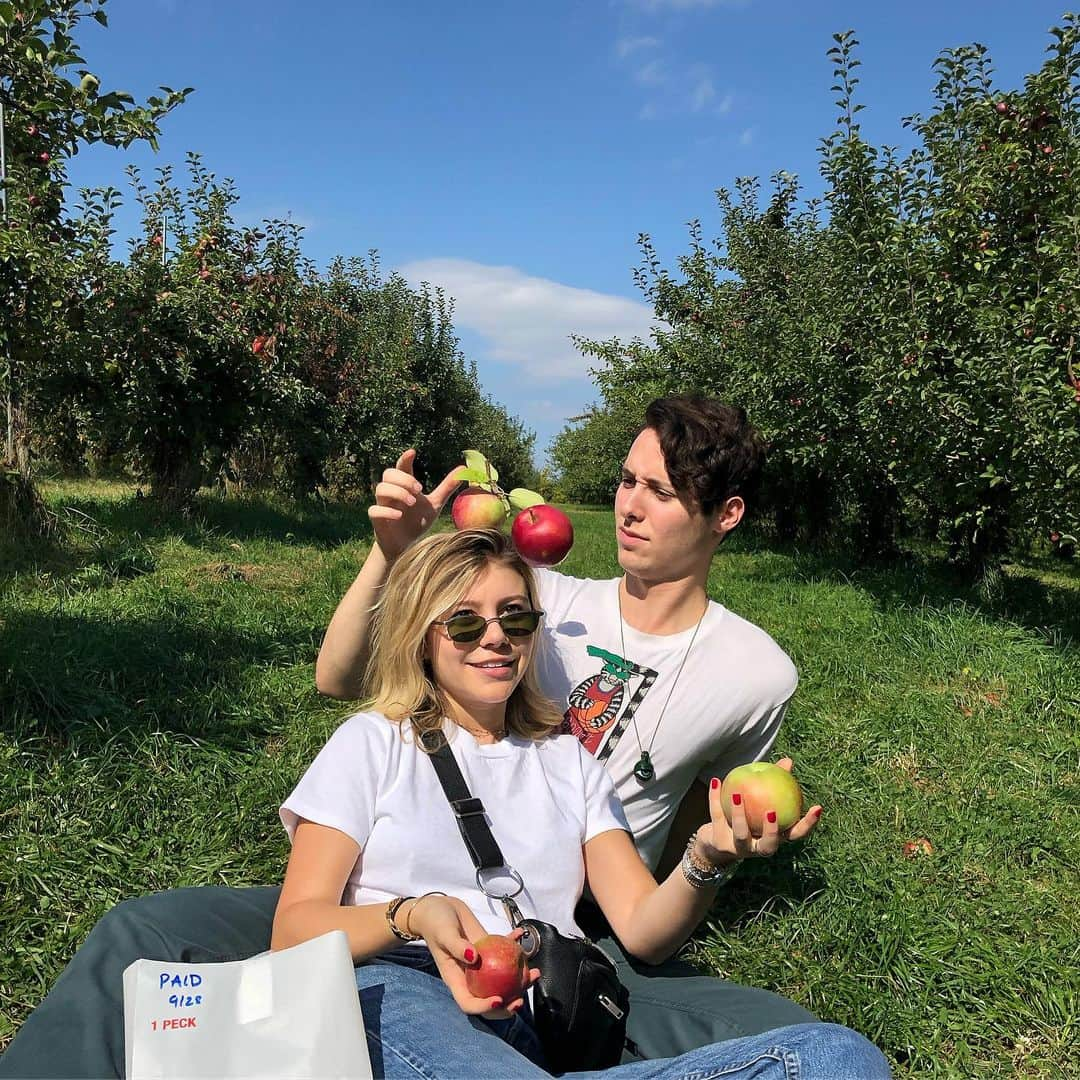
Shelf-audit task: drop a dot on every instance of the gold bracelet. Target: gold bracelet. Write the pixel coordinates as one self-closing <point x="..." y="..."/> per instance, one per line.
<point x="391" y="911"/>
<point x="416" y="900"/>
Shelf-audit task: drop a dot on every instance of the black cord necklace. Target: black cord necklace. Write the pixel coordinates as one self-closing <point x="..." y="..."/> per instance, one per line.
<point x="644" y="770"/>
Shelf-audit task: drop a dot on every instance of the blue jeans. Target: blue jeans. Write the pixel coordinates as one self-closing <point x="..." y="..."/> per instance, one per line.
<point x="416" y="1030"/>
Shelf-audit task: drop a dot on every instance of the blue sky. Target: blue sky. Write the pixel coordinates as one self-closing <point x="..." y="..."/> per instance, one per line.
<point x="512" y="152"/>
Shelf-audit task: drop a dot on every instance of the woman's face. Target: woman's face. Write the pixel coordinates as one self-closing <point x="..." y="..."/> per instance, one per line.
<point x="478" y="677"/>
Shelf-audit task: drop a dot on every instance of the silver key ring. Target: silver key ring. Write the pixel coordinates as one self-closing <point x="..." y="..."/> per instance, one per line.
<point x="506" y="871"/>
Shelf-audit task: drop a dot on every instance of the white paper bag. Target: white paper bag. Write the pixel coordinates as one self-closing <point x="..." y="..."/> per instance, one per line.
<point x="294" y="1013"/>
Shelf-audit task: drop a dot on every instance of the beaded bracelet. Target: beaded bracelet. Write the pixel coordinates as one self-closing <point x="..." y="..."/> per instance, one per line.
<point x="700" y="876"/>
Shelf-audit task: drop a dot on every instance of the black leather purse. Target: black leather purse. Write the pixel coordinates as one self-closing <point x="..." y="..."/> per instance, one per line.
<point x="579" y="1005"/>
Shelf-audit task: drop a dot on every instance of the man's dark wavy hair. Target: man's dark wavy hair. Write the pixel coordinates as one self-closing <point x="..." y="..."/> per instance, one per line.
<point x="711" y="450"/>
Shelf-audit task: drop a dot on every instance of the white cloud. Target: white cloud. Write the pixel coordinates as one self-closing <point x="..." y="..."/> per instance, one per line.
<point x="626" y="46"/>
<point x="527" y="321"/>
<point x="651" y="74"/>
<point x="746" y="137"/>
<point x="648" y="111"/>
<point x="702" y="93"/>
<point x="724" y="105"/>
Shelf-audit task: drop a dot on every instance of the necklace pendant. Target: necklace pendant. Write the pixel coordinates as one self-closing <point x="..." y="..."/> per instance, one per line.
<point x="644" y="770"/>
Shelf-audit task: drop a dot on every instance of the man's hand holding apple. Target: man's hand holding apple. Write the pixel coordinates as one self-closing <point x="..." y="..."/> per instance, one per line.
<point x="402" y="512"/>
<point x="755" y="829"/>
<point x="449" y="929"/>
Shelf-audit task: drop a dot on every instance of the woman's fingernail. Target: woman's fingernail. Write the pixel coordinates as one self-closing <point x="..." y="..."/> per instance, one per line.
<point x="714" y="784"/>
<point x="817" y="812"/>
<point x="470" y="956"/>
<point x="771" y="815"/>
<point x="736" y="799"/>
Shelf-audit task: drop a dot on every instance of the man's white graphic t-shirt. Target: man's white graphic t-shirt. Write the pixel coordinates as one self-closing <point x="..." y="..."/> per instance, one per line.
<point x="726" y="707"/>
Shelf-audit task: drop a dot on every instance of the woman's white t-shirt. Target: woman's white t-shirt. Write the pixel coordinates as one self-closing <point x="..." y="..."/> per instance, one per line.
<point x="543" y="800"/>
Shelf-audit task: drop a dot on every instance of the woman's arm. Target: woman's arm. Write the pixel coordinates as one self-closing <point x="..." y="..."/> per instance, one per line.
<point x="401" y="513"/>
<point x="650" y="920"/>
<point x="653" y="920"/>
<point x="310" y="904"/>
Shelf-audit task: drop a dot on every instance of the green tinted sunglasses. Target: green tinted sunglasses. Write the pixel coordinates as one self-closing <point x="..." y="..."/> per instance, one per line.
<point x="465" y="628"/>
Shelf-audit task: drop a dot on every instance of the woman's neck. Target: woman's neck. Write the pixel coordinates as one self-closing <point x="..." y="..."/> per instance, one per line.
<point x="485" y="726"/>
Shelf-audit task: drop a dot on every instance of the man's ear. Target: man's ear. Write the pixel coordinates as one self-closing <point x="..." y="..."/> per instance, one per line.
<point x="728" y="516"/>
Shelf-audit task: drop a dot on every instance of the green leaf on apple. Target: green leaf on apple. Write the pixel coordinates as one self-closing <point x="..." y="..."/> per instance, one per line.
<point x="523" y="498"/>
<point x="475" y="461"/>
<point x="476" y="477"/>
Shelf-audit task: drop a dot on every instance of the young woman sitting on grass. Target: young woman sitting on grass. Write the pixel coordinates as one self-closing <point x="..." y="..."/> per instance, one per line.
<point x="452" y="649"/>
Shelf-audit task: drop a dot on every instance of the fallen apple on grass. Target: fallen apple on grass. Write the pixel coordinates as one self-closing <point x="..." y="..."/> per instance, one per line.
<point x="763" y="787"/>
<point x="501" y="969"/>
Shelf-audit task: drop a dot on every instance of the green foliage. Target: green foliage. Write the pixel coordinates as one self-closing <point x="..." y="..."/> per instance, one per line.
<point x="52" y="107"/>
<point x="212" y="350"/>
<point x="906" y="345"/>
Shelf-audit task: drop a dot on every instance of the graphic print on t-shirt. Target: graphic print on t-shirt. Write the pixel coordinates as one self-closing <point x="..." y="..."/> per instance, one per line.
<point x="593" y="715"/>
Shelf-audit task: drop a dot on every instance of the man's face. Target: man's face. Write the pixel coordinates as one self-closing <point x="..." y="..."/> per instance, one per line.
<point x="659" y="537"/>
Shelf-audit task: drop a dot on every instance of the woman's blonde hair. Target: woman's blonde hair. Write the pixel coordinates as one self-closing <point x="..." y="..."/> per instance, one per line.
<point x="431" y="577"/>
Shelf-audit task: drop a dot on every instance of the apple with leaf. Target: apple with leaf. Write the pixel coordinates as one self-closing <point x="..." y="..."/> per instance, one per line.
<point x="542" y="533"/>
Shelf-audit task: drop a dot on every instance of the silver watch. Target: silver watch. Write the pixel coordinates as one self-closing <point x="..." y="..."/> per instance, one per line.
<point x="697" y="875"/>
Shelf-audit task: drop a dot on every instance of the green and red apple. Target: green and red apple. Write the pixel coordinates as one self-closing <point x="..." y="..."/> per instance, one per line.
<point x="763" y="787"/>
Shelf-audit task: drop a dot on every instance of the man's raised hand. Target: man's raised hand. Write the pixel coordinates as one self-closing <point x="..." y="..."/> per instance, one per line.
<point x="402" y="512"/>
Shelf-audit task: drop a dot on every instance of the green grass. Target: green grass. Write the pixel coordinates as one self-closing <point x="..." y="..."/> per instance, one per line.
<point x="157" y="703"/>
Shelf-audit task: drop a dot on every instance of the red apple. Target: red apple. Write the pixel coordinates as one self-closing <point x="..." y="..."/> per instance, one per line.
<point x="763" y="787"/>
<point x="258" y="345"/>
<point x="476" y="508"/>
<point x="543" y="535"/>
<point x="501" y="969"/>
<point x="44" y="157"/>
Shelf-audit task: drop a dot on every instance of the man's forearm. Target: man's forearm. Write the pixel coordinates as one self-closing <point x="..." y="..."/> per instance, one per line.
<point x="342" y="660"/>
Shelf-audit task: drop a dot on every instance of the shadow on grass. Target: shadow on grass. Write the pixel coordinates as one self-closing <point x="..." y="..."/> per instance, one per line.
<point x="86" y="679"/>
<point x="246" y="518"/>
<point x="765" y="888"/>
<point x="1022" y="595"/>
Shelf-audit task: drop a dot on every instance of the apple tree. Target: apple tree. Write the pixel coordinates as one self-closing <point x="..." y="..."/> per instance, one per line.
<point x="51" y="105"/>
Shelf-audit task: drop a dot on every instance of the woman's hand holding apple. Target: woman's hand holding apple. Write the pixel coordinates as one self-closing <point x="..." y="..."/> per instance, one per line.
<point x="722" y="841"/>
<point x="449" y="929"/>
<point x="402" y="512"/>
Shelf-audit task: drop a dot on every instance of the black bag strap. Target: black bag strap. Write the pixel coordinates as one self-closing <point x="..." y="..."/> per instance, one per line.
<point x="469" y="812"/>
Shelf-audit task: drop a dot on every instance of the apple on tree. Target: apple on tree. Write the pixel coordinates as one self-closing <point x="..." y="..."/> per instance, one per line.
<point x="763" y="787"/>
<point x="542" y="533"/>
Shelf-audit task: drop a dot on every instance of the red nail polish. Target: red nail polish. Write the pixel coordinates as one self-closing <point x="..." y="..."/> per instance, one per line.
<point x="714" y="783"/>
<point x="736" y="799"/>
<point x="817" y="812"/>
<point x="470" y="956"/>
<point x="771" y="815"/>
